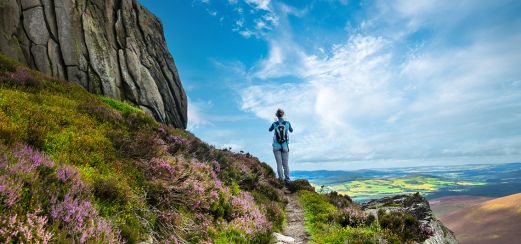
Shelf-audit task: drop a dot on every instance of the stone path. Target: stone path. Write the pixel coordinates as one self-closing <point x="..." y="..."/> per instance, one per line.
<point x="295" y="231"/>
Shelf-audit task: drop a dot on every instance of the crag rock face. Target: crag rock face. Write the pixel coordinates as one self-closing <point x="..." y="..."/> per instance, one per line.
<point x="110" y="47"/>
<point x="417" y="206"/>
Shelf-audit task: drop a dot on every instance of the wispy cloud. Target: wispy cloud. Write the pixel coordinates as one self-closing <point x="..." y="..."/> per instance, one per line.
<point x="399" y="82"/>
<point x="197" y="113"/>
<point x="381" y="95"/>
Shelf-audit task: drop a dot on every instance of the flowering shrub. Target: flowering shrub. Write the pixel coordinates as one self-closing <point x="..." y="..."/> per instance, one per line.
<point x="159" y="167"/>
<point x="67" y="173"/>
<point x="100" y="112"/>
<point x="142" y="144"/>
<point x="10" y="190"/>
<point x="177" y="140"/>
<point x="31" y="229"/>
<point x="247" y="216"/>
<point x="22" y="78"/>
<point x="404" y="225"/>
<point x="22" y="168"/>
<point x="16" y="165"/>
<point x="350" y="216"/>
<point x="27" y="160"/>
<point x="339" y="200"/>
<point x="81" y="220"/>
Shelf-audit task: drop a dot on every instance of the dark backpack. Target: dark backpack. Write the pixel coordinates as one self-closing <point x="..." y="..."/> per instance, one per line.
<point x="280" y="132"/>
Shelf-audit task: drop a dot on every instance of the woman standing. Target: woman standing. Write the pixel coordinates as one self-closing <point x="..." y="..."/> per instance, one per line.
<point x="280" y="144"/>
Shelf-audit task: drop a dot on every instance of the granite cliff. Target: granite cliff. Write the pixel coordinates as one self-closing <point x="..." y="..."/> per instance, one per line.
<point x="115" y="48"/>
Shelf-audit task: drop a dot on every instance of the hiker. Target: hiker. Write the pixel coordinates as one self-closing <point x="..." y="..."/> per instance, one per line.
<point x="280" y="144"/>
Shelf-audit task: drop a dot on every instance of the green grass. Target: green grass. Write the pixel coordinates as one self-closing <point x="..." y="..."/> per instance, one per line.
<point x="317" y="215"/>
<point x="349" y="224"/>
<point x="123" y="107"/>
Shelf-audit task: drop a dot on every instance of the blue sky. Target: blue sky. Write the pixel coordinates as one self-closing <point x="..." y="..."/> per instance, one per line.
<point x="365" y="84"/>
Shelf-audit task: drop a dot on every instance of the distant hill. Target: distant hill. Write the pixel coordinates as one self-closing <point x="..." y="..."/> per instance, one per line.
<point x="446" y="205"/>
<point x="493" y="221"/>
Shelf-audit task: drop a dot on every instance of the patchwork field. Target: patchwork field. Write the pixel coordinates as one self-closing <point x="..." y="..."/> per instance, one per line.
<point x="495" y="180"/>
<point x="374" y="188"/>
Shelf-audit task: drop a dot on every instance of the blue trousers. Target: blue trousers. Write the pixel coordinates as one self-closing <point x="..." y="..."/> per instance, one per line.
<point x="281" y="156"/>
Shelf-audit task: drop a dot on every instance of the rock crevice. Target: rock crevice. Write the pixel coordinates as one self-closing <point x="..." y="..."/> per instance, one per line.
<point x="115" y="48"/>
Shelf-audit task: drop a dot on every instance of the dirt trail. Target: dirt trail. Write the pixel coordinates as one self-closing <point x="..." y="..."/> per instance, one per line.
<point x="295" y="220"/>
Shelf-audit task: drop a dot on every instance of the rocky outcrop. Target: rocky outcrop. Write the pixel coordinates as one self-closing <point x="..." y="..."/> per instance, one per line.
<point x="111" y="47"/>
<point x="417" y="206"/>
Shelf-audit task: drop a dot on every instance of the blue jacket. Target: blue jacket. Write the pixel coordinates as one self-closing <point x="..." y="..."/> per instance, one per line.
<point x="276" y="144"/>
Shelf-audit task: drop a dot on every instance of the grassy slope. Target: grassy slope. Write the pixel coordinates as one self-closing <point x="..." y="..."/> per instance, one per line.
<point x="494" y="221"/>
<point x="319" y="220"/>
<point x="145" y="179"/>
<point x="333" y="218"/>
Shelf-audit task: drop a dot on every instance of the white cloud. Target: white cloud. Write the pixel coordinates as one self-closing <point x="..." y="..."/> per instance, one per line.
<point x="234" y="147"/>
<point x="368" y="100"/>
<point x="260" y="4"/>
<point x="197" y="113"/>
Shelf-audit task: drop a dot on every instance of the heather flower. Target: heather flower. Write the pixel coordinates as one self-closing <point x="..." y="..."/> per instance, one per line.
<point x="160" y="167"/>
<point x="177" y="140"/>
<point x="30" y="229"/>
<point x="214" y="195"/>
<point x="217" y="183"/>
<point x="27" y="160"/>
<point x="351" y="216"/>
<point x="81" y="219"/>
<point x="247" y="216"/>
<point x="66" y="172"/>
<point x="10" y="190"/>
<point x="17" y="163"/>
<point x="198" y="187"/>
<point x="217" y="167"/>
<point x="198" y="165"/>
<point x="22" y="76"/>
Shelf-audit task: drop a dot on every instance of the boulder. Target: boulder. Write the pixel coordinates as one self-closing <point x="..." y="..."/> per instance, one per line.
<point x="417" y="206"/>
<point x="115" y="48"/>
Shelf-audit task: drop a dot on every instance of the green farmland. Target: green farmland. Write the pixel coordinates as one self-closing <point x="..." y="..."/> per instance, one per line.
<point x="361" y="189"/>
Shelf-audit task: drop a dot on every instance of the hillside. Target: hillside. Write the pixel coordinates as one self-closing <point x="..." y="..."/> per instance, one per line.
<point x="493" y="221"/>
<point x="446" y="205"/>
<point x="77" y="167"/>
